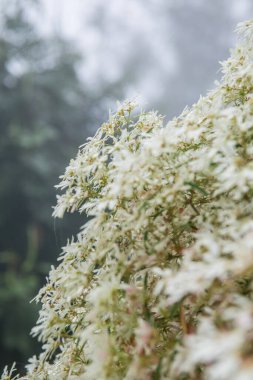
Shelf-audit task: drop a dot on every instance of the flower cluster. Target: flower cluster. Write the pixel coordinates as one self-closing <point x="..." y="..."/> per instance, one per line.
<point x="158" y="283"/>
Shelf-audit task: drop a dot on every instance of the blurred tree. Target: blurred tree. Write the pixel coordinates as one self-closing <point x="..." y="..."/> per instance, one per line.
<point x="44" y="116"/>
<point x="17" y="286"/>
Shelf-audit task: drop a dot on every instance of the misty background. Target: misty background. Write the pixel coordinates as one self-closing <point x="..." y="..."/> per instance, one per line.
<point x="63" y="64"/>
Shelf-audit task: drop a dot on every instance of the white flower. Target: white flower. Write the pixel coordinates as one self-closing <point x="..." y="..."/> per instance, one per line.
<point x="159" y="281"/>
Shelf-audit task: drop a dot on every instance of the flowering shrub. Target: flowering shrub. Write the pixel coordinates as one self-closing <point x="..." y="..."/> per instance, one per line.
<point x="158" y="284"/>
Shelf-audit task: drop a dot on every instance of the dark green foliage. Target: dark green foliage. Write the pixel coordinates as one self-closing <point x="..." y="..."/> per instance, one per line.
<point x="44" y="115"/>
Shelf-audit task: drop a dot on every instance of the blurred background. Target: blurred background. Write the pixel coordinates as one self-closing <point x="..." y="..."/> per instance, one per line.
<point x="63" y="63"/>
